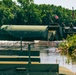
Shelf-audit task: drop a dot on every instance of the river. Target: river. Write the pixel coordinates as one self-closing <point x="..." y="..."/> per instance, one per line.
<point x="51" y="56"/>
<point x="47" y="54"/>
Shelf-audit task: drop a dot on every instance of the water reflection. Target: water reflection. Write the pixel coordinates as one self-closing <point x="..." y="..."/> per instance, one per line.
<point x="51" y="56"/>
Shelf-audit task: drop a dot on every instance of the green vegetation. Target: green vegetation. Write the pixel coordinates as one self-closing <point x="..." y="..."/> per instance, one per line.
<point x="69" y="45"/>
<point x="26" y="13"/>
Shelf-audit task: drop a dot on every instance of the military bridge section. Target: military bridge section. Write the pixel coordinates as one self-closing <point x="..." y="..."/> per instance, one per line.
<point x="38" y="32"/>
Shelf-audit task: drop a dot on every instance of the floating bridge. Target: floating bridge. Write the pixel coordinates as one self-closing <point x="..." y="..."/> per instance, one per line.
<point x="27" y="62"/>
<point x="24" y="62"/>
<point x="39" y="32"/>
<point x="58" y="33"/>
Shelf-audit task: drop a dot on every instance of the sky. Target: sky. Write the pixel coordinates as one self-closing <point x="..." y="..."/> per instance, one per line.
<point x="64" y="3"/>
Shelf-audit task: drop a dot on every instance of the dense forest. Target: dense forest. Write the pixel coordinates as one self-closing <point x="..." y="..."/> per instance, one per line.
<point x="26" y="12"/>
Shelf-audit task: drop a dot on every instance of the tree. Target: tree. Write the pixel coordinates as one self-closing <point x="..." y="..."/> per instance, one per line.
<point x="26" y="12"/>
<point x="7" y="12"/>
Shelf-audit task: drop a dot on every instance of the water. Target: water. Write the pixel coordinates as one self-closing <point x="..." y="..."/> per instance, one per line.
<point x="51" y="56"/>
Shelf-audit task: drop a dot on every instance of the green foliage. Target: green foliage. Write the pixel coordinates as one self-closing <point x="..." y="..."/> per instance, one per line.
<point x="70" y="45"/>
<point x="26" y="12"/>
<point x="8" y="11"/>
<point x="74" y="54"/>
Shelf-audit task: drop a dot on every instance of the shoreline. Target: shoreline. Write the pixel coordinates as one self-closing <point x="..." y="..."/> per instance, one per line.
<point x="63" y="70"/>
